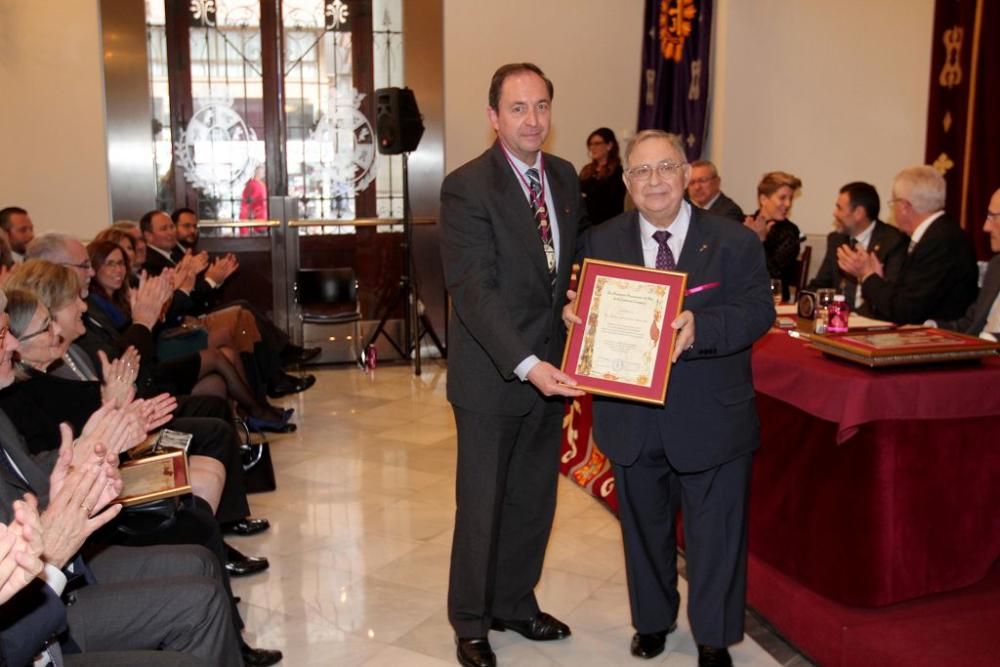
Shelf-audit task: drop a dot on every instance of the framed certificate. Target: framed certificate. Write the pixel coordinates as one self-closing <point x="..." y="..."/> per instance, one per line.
<point x="623" y="347"/>
<point x="154" y="477"/>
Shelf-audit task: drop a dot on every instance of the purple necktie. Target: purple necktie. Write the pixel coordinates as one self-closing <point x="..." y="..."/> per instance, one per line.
<point x="664" y="258"/>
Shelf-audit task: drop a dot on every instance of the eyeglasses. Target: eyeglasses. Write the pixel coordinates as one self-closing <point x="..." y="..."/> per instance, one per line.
<point x="596" y="142"/>
<point x="115" y="264"/>
<point x="664" y="170"/>
<point x="46" y="328"/>
<point x="702" y="181"/>
<point x="84" y="265"/>
<point x="3" y="334"/>
<point x="992" y="215"/>
<point x="895" y="200"/>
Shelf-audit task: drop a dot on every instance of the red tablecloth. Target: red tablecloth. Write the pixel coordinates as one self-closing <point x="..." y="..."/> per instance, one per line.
<point x="850" y="395"/>
<point x="871" y="486"/>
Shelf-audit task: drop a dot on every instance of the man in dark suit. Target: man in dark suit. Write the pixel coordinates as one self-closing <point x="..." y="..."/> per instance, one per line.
<point x="509" y="221"/>
<point x="856" y="213"/>
<point x="705" y="191"/>
<point x="939" y="275"/>
<point x="695" y="451"/>
<point x="983" y="316"/>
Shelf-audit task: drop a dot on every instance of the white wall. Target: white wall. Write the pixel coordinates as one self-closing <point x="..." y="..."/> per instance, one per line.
<point x="52" y="129"/>
<point x="590" y="49"/>
<point x="829" y="91"/>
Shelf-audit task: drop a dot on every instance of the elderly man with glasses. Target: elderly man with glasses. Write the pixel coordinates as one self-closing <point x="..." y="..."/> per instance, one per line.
<point x="695" y="451"/>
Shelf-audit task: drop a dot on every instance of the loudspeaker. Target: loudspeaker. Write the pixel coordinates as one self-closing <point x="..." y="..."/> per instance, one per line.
<point x="398" y="123"/>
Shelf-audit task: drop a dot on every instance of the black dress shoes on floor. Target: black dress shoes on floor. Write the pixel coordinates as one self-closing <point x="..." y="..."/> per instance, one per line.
<point x="286" y="384"/>
<point x="239" y="565"/>
<point x="246" y="527"/>
<point x="650" y="645"/>
<point x="475" y="652"/>
<point x="709" y="656"/>
<point x="542" y="628"/>
<point x="258" y="657"/>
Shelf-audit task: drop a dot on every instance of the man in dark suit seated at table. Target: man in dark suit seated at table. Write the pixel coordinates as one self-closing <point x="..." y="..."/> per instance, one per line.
<point x="856" y="213"/>
<point x="983" y="316"/>
<point x="939" y="274"/>
<point x="705" y="191"/>
<point x="695" y="451"/>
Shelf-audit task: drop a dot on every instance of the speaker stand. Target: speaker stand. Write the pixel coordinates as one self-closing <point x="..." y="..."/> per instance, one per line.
<point x="416" y="325"/>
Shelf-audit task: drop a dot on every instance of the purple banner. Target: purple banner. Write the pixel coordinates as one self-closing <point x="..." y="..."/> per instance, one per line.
<point x="673" y="93"/>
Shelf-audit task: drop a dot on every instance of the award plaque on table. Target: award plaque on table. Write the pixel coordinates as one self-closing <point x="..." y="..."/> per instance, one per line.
<point x="623" y="347"/>
<point x="905" y="346"/>
<point x="154" y="477"/>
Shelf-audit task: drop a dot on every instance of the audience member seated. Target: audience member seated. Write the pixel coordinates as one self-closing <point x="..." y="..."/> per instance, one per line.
<point x="939" y="275"/>
<point x="16" y="223"/>
<point x="186" y="609"/>
<point x="109" y="431"/>
<point x="983" y="316"/>
<point x="164" y="252"/>
<point x="188" y="234"/>
<point x="780" y="236"/>
<point x="139" y="244"/>
<point x="705" y="191"/>
<point x="111" y="328"/>
<point x="856" y="214"/>
<point x="602" y="182"/>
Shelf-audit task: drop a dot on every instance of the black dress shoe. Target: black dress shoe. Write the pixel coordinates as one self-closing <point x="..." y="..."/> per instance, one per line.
<point x="542" y="628"/>
<point x="709" y="656"/>
<point x="289" y="384"/>
<point x="650" y="645"/>
<point x="238" y="565"/>
<point x="258" y="657"/>
<point x="246" y="527"/>
<point x="475" y="652"/>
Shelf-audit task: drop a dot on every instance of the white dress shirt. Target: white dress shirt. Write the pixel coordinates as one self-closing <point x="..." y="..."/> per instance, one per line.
<point x="678" y="232"/>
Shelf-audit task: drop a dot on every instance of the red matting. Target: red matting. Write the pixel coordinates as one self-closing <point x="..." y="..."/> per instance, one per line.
<point x="594" y="269"/>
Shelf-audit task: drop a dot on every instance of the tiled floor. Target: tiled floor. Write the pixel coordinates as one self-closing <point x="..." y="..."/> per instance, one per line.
<point x="361" y="531"/>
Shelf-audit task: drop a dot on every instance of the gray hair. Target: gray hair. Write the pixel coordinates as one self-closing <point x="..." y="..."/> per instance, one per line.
<point x="708" y="164"/>
<point x="924" y="187"/>
<point x="50" y="246"/>
<point x="646" y="135"/>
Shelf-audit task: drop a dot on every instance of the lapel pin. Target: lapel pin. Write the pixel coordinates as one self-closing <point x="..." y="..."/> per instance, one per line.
<point x="703" y="248"/>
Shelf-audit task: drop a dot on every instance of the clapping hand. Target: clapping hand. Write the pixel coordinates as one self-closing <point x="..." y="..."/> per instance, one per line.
<point x="153" y="413"/>
<point x="148" y="299"/>
<point x="759" y="225"/>
<point x="221" y="268"/>
<point x="119" y="377"/>
<point x="79" y="499"/>
<point x="112" y="429"/>
<point x="859" y="262"/>
<point x="21" y="547"/>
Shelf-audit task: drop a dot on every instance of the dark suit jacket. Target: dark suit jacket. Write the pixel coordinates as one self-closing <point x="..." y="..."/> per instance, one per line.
<point x="727" y="208"/>
<point x="710" y="416"/>
<point x="889" y="245"/>
<point x="504" y="305"/>
<point x="974" y="320"/>
<point x="936" y="282"/>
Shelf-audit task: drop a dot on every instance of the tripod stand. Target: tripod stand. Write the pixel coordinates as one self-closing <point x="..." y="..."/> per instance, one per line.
<point x="416" y="325"/>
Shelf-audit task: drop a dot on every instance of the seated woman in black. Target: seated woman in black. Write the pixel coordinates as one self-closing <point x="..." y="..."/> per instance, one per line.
<point x="780" y="236"/>
<point x="111" y="328"/>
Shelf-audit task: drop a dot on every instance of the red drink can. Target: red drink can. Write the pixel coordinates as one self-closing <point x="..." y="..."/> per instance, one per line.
<point x="371" y="357"/>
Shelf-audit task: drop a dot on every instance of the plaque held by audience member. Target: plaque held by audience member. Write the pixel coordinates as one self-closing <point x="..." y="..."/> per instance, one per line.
<point x="624" y="345"/>
<point x="161" y="472"/>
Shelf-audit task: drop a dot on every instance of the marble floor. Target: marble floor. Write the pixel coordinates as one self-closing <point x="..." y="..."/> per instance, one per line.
<point x="360" y="534"/>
